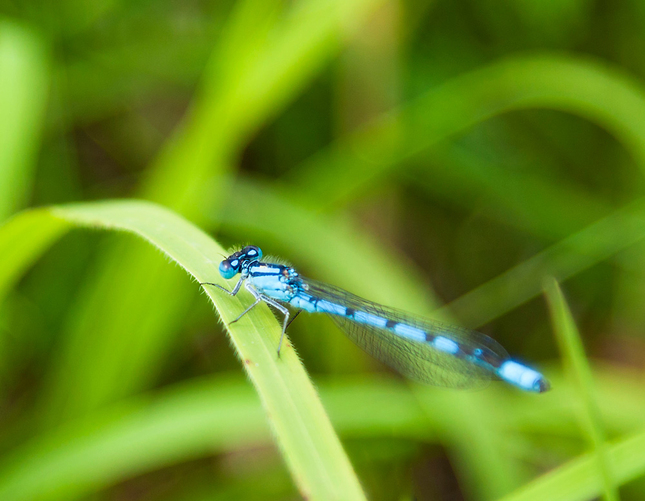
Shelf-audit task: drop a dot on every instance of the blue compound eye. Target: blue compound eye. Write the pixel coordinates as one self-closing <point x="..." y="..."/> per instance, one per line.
<point x="252" y="252"/>
<point x="227" y="270"/>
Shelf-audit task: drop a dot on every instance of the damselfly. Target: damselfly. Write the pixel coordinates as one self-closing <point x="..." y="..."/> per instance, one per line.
<point x="421" y="349"/>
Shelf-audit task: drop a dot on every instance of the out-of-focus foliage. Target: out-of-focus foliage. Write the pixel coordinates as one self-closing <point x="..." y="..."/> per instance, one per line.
<point x="442" y="157"/>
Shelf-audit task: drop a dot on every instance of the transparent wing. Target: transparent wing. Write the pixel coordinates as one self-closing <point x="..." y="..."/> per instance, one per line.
<point x="417" y="360"/>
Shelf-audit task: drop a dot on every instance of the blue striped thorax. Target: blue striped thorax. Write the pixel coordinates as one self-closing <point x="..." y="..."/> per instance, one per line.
<point x="275" y="280"/>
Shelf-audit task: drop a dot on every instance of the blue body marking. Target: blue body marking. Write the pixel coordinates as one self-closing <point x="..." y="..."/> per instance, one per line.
<point x="421" y="349"/>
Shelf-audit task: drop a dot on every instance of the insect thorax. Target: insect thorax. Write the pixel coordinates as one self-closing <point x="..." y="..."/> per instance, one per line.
<point x="274" y="280"/>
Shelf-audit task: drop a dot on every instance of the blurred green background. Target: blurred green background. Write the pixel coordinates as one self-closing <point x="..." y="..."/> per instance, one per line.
<point x="442" y="157"/>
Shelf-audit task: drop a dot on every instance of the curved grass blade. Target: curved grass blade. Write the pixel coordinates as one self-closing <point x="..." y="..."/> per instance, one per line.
<point x="303" y="431"/>
<point x="578" y="480"/>
<point x="312" y="451"/>
<point x="566" y="258"/>
<point x="586" y="88"/>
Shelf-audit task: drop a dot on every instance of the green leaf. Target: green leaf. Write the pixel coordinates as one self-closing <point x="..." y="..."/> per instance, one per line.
<point x="303" y="431"/>
<point x="580" y="373"/>
<point x="523" y="196"/>
<point x="24" y="238"/>
<point x="192" y="420"/>
<point x="586" y="88"/>
<point x="475" y="446"/>
<point x="24" y="84"/>
<point x="578" y="480"/>
<point x="200" y="417"/>
<point x="566" y="258"/>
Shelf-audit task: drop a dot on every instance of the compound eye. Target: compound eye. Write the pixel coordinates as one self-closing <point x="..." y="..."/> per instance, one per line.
<point x="252" y="252"/>
<point x="227" y="269"/>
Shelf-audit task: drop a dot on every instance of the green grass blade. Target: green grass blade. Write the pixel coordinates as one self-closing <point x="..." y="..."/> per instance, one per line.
<point x="263" y="59"/>
<point x="522" y="196"/>
<point x="303" y="431"/>
<point x="603" y="95"/>
<point x="562" y="260"/>
<point x="578" y="480"/>
<point x="191" y="420"/>
<point x="580" y="374"/>
<point x="24" y="84"/>
<point x="202" y="417"/>
<point x="134" y="437"/>
<point x="23" y="239"/>
<point x="484" y="468"/>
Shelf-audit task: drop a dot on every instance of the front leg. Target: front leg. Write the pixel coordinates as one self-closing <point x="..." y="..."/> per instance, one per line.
<point x="235" y="290"/>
